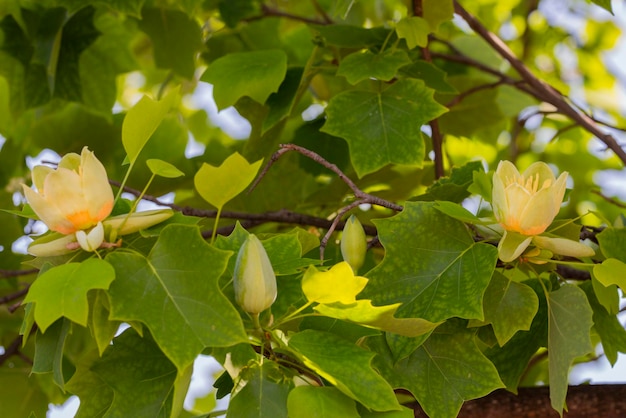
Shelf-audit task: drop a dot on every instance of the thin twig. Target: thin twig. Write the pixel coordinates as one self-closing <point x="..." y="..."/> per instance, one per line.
<point x="14" y="296"/>
<point x="333" y="226"/>
<point x="6" y="274"/>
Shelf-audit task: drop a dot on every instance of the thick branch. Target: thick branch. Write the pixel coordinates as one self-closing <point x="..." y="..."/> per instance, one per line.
<point x="543" y="90"/>
<point x="607" y="401"/>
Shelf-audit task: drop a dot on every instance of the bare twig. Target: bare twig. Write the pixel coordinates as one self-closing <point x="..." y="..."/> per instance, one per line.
<point x="14" y="296"/>
<point x="6" y="274"/>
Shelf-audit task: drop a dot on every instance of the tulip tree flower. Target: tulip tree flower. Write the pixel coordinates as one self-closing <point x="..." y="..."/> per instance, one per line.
<point x="74" y="201"/>
<point x="254" y="279"/>
<point x="353" y="243"/>
<point x="75" y="196"/>
<point x="525" y="205"/>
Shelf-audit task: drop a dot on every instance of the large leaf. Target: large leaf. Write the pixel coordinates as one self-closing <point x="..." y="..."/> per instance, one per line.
<point x="509" y="306"/>
<point x="611" y="272"/>
<point x="62" y="291"/>
<point x="49" y="351"/>
<point x="255" y="74"/>
<point x="437" y="273"/>
<point x="261" y="397"/>
<point x="140" y="376"/>
<point x="512" y="359"/>
<point x="383" y="127"/>
<point x="177" y="281"/>
<point x="346" y="366"/>
<point x="569" y="323"/>
<point x="443" y="372"/>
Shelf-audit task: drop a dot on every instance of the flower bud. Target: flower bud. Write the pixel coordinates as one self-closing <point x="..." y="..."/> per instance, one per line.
<point x="254" y="279"/>
<point x="353" y="243"/>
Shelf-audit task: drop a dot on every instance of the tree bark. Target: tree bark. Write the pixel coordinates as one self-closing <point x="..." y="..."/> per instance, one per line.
<point x="584" y="401"/>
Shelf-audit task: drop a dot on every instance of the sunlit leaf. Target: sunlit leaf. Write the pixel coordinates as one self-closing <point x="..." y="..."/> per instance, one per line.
<point x="414" y="30"/>
<point x="611" y="271"/>
<point x="339" y="284"/>
<point x="62" y="291"/>
<point x="163" y="168"/>
<point x="142" y="120"/>
<point x="379" y="317"/>
<point x="218" y="185"/>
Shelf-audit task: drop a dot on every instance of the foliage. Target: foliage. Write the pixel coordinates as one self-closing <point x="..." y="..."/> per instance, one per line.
<point x="391" y="112"/>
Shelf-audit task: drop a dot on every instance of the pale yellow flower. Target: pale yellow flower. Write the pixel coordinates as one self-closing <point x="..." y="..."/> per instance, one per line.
<point x="527" y="203"/>
<point x="75" y="196"/>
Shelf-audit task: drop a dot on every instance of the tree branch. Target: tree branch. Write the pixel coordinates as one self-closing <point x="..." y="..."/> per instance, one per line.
<point x="542" y="90"/>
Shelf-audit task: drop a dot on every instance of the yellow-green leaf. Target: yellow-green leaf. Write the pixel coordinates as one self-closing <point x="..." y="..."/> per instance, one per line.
<point x="163" y="168"/>
<point x="379" y="317"/>
<point x="218" y="185"/>
<point x="339" y="284"/>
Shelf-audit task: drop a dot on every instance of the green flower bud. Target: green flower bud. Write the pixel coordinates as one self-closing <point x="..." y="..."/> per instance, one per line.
<point x="254" y="279"/>
<point x="353" y="243"/>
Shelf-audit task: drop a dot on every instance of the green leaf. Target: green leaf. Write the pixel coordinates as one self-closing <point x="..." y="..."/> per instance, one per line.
<point x="49" y="349"/>
<point x="261" y="397"/>
<point x="512" y="359"/>
<point x="364" y="65"/>
<point x="176" y="39"/>
<point x="320" y="402"/>
<point x="455" y="187"/>
<point x="62" y="291"/>
<point x="142" y="120"/>
<point x="255" y="74"/>
<point x="218" y="185"/>
<point x="101" y="327"/>
<point x="432" y="75"/>
<point x="232" y="11"/>
<point x="509" y="306"/>
<point x="177" y="281"/>
<point x="141" y="377"/>
<point x="346" y="366"/>
<point x="163" y="168"/>
<point x="570" y="321"/>
<point x="611" y="331"/>
<point x="443" y="372"/>
<point x="18" y="385"/>
<point x="282" y="102"/>
<point x="383" y="127"/>
<point x="404" y="413"/>
<point x="436" y="273"/>
<point x="95" y="395"/>
<point x="611" y="272"/>
<point x="414" y="30"/>
<point x="458" y="212"/>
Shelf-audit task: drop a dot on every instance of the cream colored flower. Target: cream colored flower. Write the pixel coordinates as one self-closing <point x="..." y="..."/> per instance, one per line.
<point x="525" y="205"/>
<point x="75" y="196"/>
<point x="254" y="279"/>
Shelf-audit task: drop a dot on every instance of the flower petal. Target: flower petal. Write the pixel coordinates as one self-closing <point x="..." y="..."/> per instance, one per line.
<point x="563" y="246"/>
<point x="95" y="185"/>
<point x="92" y="240"/>
<point x="47" y="213"/>
<point x="542" y="170"/>
<point x="512" y="245"/>
<point x="538" y="213"/>
<point x="137" y="221"/>
<point x="49" y="248"/>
